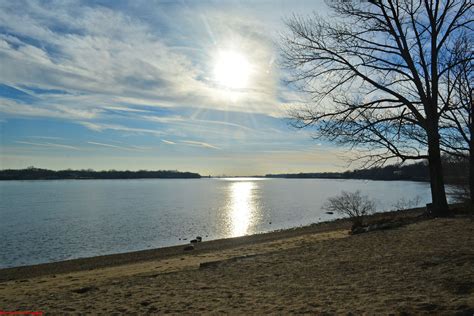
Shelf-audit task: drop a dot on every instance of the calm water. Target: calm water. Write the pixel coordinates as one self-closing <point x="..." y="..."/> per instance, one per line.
<point x="45" y="221"/>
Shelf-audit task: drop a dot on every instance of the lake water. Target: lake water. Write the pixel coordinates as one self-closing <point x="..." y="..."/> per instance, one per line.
<point x="46" y="221"/>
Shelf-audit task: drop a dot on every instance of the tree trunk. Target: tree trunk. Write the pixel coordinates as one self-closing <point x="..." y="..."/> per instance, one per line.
<point x="471" y="171"/>
<point x="438" y="193"/>
<point x="471" y="152"/>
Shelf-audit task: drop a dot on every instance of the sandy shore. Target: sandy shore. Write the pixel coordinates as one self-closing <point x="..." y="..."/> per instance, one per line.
<point x="424" y="267"/>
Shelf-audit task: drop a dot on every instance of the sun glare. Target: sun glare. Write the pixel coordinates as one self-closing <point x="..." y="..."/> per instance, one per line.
<point x="242" y="206"/>
<point x="232" y="70"/>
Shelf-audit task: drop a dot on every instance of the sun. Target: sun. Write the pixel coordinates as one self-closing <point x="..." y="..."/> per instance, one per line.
<point x="232" y="70"/>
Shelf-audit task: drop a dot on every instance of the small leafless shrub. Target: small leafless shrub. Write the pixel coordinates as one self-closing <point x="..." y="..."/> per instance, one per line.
<point x="404" y="204"/>
<point x="351" y="204"/>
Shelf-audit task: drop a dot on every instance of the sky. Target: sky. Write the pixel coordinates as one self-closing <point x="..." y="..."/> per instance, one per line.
<point x="176" y="85"/>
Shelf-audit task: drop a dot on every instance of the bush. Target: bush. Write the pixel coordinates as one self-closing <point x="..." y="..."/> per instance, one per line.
<point x="351" y="204"/>
<point x="405" y="204"/>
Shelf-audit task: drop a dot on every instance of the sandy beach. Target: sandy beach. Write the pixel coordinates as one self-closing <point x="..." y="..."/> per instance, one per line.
<point x="425" y="267"/>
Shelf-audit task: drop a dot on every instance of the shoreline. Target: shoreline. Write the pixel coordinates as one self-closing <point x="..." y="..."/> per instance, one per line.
<point x="126" y="258"/>
<point x="420" y="265"/>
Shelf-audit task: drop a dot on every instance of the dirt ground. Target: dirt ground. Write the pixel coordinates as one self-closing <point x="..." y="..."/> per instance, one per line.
<point x="422" y="268"/>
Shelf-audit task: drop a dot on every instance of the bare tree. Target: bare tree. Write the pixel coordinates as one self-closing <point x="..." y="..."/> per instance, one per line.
<point x="351" y="204"/>
<point x="457" y="117"/>
<point x="373" y="70"/>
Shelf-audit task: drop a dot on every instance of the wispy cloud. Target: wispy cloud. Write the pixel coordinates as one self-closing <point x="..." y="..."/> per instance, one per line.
<point x="47" y="144"/>
<point x="105" y="145"/>
<point x="132" y="148"/>
<point x="191" y="121"/>
<point x="168" y="142"/>
<point x="126" y="109"/>
<point x="190" y="143"/>
<point x="18" y="109"/>
<point x="101" y="127"/>
<point x="46" y="137"/>
<point x="200" y="144"/>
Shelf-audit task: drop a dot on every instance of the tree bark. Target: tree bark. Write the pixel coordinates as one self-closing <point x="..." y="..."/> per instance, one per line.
<point x="471" y="176"/>
<point x="471" y="149"/>
<point x="471" y="160"/>
<point x="438" y="193"/>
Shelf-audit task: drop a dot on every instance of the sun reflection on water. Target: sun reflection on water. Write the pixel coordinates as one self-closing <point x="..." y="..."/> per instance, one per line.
<point x="242" y="207"/>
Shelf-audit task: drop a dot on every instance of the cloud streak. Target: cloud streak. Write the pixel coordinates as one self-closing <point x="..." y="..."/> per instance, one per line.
<point x="98" y="127"/>
<point x="134" y="148"/>
<point x="199" y="144"/>
<point x="168" y="142"/>
<point x="191" y="143"/>
<point x="47" y="144"/>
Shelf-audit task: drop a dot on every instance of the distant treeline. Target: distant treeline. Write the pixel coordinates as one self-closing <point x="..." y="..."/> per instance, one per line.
<point x="454" y="170"/>
<point x="306" y="175"/>
<point x="32" y="173"/>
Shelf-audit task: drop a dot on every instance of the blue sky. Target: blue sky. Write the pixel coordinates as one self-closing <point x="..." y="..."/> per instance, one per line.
<point x="136" y="85"/>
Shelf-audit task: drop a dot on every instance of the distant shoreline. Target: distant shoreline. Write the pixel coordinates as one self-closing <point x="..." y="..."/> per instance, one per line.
<point x="346" y="178"/>
<point x="83" y="179"/>
<point x="69" y="174"/>
<point x="410" y="172"/>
